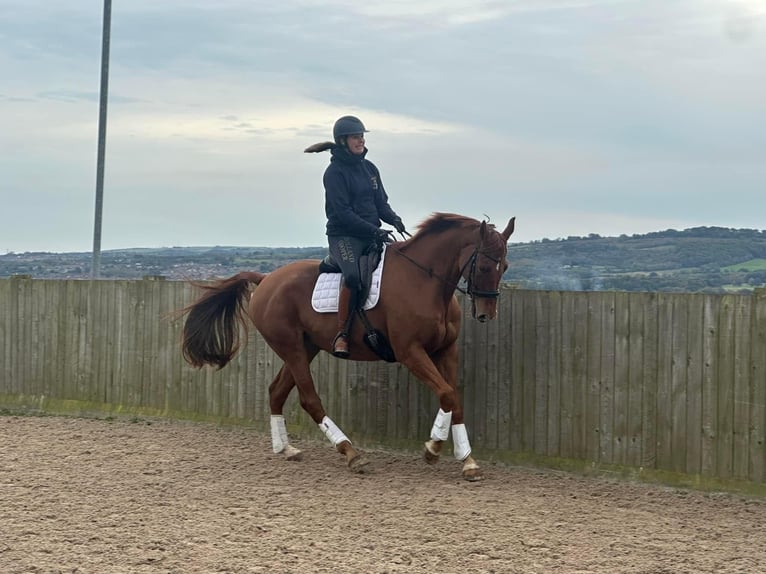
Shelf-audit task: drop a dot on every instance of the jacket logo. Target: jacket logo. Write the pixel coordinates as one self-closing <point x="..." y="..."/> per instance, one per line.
<point x="374" y="182"/>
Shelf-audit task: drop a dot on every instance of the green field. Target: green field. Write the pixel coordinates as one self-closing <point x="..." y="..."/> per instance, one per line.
<point x="752" y="265"/>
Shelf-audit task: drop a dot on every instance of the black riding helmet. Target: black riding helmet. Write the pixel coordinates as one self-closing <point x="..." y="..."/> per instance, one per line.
<point x="346" y="126"/>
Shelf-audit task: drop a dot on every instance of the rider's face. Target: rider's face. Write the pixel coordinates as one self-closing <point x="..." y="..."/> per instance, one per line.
<point x="355" y="143"/>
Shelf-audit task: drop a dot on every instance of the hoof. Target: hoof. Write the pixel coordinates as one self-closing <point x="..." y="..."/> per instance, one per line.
<point x="473" y="475"/>
<point x="293" y="454"/>
<point x="358" y="464"/>
<point x="430" y="457"/>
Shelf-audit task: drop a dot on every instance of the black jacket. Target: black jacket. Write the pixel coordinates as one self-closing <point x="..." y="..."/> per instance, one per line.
<point x="355" y="201"/>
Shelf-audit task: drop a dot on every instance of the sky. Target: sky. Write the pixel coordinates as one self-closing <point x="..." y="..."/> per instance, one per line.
<point x="575" y="116"/>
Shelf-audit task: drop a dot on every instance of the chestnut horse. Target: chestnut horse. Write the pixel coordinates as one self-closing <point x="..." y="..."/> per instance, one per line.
<point x="417" y="312"/>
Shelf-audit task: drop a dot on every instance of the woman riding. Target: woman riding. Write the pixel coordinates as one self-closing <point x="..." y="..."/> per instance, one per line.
<point x="355" y="205"/>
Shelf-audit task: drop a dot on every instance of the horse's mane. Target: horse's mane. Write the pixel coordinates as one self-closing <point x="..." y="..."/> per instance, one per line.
<point x="439" y="222"/>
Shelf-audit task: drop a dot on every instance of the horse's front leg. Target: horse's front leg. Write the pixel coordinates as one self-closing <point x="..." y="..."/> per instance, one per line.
<point x="440" y="373"/>
<point x="461" y="445"/>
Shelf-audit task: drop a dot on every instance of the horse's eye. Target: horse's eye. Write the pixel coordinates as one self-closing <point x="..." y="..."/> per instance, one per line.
<point x="484" y="269"/>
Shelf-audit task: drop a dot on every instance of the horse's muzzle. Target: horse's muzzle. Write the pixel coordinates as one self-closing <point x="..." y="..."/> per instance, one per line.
<point x="484" y="309"/>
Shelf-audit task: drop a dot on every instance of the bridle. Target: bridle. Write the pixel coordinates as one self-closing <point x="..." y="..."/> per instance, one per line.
<point x="470" y="291"/>
<point x="470" y="262"/>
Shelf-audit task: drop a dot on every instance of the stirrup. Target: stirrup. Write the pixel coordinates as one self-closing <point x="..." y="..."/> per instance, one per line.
<point x="340" y="345"/>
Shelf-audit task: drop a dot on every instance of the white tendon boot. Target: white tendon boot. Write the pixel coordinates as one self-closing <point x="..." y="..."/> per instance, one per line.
<point x="462" y="447"/>
<point x="462" y="451"/>
<point x="439" y="434"/>
<point x="279" y="441"/>
<point x="332" y="432"/>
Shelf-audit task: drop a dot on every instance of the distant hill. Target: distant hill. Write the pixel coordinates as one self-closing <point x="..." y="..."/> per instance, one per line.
<point x="170" y="262"/>
<point x="709" y="259"/>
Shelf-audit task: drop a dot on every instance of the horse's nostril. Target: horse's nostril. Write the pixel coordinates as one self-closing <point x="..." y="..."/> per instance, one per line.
<point x="482" y="318"/>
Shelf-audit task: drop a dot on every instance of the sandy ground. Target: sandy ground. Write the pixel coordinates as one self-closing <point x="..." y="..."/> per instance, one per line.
<point x="96" y="496"/>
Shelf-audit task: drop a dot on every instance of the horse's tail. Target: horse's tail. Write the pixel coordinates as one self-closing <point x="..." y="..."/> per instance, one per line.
<point x="211" y="334"/>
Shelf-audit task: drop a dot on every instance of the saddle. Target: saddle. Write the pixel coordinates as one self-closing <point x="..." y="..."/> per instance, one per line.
<point x="368" y="264"/>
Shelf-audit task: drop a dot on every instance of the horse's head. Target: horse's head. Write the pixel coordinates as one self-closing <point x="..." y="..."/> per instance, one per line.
<point x="485" y="267"/>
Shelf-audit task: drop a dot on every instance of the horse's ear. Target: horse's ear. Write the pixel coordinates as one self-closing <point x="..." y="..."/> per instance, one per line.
<point x="509" y="229"/>
<point x="483" y="229"/>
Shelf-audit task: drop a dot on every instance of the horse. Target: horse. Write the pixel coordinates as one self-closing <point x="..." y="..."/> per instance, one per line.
<point x="417" y="312"/>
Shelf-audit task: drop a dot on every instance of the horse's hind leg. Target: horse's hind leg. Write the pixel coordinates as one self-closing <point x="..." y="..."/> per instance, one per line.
<point x="279" y="390"/>
<point x="312" y="404"/>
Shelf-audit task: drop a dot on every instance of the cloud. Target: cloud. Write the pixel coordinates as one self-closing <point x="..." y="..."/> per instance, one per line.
<point x="578" y="116"/>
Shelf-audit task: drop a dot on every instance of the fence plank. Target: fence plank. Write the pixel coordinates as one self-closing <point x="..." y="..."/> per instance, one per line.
<point x="492" y="384"/>
<point x="505" y="321"/>
<point x="593" y="398"/>
<point x="552" y="348"/>
<point x="621" y="383"/>
<point x="581" y="432"/>
<point x="634" y="408"/>
<point x="664" y="381"/>
<point x="474" y="374"/>
<point x="678" y="397"/>
<point x="569" y="337"/>
<point x="540" y="380"/>
<point x="694" y="384"/>
<point x="49" y="381"/>
<point x="6" y="341"/>
<point x="16" y="337"/>
<point x="19" y="330"/>
<point x="758" y="406"/>
<point x="649" y="457"/>
<point x="606" y="378"/>
<point x="742" y="382"/>
<point x="710" y="380"/>
<point x="517" y="410"/>
<point x="725" y="372"/>
<point x="528" y="373"/>
<point x="31" y="314"/>
<point x="153" y="389"/>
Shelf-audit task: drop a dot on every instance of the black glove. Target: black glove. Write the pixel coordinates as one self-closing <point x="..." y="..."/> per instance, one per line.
<point x="383" y="236"/>
<point x="399" y="225"/>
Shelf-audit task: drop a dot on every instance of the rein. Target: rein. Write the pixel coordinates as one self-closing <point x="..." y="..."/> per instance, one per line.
<point x="468" y="290"/>
<point x="431" y="272"/>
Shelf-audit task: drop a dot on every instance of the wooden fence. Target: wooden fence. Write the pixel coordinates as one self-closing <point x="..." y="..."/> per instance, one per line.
<point x="653" y="382"/>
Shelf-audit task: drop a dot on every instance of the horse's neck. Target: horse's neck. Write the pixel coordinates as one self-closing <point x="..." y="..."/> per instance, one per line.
<point x="441" y="258"/>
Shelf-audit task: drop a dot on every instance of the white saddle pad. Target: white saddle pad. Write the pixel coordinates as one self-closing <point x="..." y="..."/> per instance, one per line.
<point x="324" y="299"/>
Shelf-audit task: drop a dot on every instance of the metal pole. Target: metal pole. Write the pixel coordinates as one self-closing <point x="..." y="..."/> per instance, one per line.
<point x="96" y="270"/>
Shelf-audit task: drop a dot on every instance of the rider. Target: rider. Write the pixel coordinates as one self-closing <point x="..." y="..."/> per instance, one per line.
<point x="355" y="204"/>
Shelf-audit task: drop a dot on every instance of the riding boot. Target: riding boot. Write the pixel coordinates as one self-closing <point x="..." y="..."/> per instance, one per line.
<point x="340" y="344"/>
